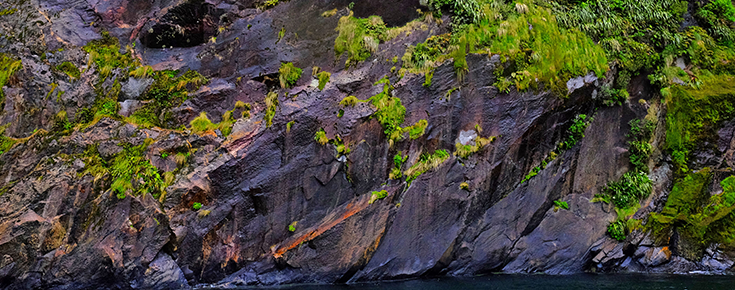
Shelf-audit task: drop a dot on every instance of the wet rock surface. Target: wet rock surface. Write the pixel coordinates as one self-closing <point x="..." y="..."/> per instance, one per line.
<point x="278" y="207"/>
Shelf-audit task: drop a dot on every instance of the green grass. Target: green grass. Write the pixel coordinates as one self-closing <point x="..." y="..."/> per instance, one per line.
<point x="105" y="54"/>
<point x="417" y="130"/>
<point x="377" y="195"/>
<point x="398" y="161"/>
<point x="130" y="171"/>
<point x="8" y="67"/>
<point x="288" y="75"/>
<point x="465" y="151"/>
<point x="202" y="125"/>
<point x="426" y="162"/>
<point x="558" y="204"/>
<point x="69" y="69"/>
<point x="359" y="37"/>
<point x="271" y="103"/>
<point x="323" y="79"/>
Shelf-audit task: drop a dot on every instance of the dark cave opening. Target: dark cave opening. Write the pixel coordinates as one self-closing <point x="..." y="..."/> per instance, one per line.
<point x="189" y="24"/>
<point x="394" y="13"/>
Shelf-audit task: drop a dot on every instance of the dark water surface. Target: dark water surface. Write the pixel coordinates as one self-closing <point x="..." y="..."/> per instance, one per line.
<point x="542" y="282"/>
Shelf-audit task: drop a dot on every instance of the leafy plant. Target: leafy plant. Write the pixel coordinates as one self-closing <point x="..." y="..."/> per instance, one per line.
<point x="617" y="230"/>
<point x="288" y="75"/>
<point x="321" y="137"/>
<point x="561" y="204"/>
<point x="323" y="79"/>
<point x="376" y="195"/>
<point x="196" y="206"/>
<point x="271" y="103"/>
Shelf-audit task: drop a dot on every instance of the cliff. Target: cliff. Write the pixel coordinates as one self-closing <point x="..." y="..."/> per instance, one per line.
<point x="164" y="144"/>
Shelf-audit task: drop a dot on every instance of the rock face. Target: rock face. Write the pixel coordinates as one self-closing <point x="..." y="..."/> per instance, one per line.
<point x="277" y="207"/>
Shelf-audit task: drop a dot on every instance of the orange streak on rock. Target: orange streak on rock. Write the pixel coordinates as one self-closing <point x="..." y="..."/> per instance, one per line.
<point x="329" y="222"/>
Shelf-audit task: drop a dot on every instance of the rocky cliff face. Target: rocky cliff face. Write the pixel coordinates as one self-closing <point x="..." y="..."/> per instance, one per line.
<point x="267" y="204"/>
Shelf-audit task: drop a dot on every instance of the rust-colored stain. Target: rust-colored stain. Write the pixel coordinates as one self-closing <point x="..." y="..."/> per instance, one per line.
<point x="666" y="251"/>
<point x="352" y="208"/>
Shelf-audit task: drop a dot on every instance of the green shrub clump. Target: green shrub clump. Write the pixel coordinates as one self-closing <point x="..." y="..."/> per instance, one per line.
<point x="321" y="137"/>
<point x="376" y="195"/>
<point x="390" y="112"/>
<point x="359" y="37"/>
<point x="630" y="189"/>
<point x="323" y="79"/>
<point x="288" y="75"/>
<point x="271" y="103"/>
<point x="196" y="206"/>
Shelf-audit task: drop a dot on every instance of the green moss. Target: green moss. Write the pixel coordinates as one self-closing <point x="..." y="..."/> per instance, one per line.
<point x="694" y="115"/>
<point x="288" y="75"/>
<point x="426" y="162"/>
<point x="196" y="206"/>
<point x="323" y="79"/>
<point x="350" y="101"/>
<point x="700" y="218"/>
<point x="69" y="69"/>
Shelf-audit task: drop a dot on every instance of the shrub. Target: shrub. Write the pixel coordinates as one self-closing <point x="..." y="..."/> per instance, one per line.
<point x="288" y="75"/>
<point x="292" y="226"/>
<point x="631" y="188"/>
<point x="617" y="230"/>
<point x="323" y="79"/>
<point x="376" y="195"/>
<point x="271" y="103"/>
<point x="358" y="37"/>
<point x="321" y="137"/>
<point x="196" y="206"/>
<point x="390" y="112"/>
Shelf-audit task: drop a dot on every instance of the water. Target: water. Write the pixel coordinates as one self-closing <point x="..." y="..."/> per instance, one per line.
<point x="542" y="282"/>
